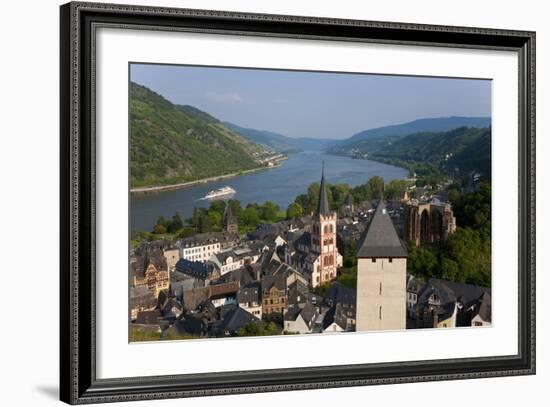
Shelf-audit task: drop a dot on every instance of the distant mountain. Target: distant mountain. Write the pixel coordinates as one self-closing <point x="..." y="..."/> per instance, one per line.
<point x="269" y="139"/>
<point x="421" y="125"/>
<point x="171" y="143"/>
<point x="280" y="143"/>
<point x="464" y="149"/>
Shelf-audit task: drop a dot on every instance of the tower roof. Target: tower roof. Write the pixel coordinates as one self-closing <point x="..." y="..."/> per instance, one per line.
<point x="380" y="239"/>
<point x="229" y="218"/>
<point x="322" y="204"/>
<point x="348" y="200"/>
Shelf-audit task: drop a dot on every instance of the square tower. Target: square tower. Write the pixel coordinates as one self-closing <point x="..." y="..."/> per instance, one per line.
<point x="381" y="276"/>
<point x="323" y="239"/>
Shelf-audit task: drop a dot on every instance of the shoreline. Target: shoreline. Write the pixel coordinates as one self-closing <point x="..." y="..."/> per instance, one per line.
<point x="188" y="184"/>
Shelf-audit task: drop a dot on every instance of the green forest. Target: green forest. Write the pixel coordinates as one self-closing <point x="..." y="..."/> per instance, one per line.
<point x="171" y="144"/>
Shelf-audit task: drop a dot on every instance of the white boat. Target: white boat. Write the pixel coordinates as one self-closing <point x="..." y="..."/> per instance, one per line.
<point x="218" y="193"/>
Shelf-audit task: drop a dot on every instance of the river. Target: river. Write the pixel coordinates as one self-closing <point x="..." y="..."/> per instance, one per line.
<point x="280" y="185"/>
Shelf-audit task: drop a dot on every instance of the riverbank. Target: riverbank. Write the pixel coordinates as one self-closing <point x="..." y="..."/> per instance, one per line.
<point x="182" y="185"/>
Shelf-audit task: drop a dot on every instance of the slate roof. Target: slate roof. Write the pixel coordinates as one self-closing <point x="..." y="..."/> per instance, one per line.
<point x="480" y="306"/>
<point x="485" y="307"/>
<point x="449" y="291"/>
<point x="223" y="290"/>
<point x="168" y="308"/>
<point x="322" y="203"/>
<point x="192" y="298"/>
<point x="298" y="293"/>
<point x="303" y="240"/>
<point x="243" y="275"/>
<point x="200" y="239"/>
<point x="332" y="316"/>
<point x="307" y="311"/>
<point x="189" y="326"/>
<point x="149" y="317"/>
<point x="380" y="239"/>
<point x="250" y="293"/>
<point x="196" y="269"/>
<point x="336" y="294"/>
<point x="236" y="318"/>
<point x="142" y="297"/>
<point x="156" y="257"/>
<point x="161" y="245"/>
<point x="279" y="281"/>
<point x="263" y="231"/>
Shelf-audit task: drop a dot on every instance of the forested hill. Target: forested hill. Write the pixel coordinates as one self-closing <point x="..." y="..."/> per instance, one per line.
<point x="269" y="139"/>
<point x="172" y="144"/>
<point x="281" y="143"/>
<point x="464" y="149"/>
<point x="436" y="124"/>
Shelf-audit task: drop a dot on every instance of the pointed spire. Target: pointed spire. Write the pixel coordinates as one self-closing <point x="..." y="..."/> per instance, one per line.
<point x="381" y="239"/>
<point x="322" y="204"/>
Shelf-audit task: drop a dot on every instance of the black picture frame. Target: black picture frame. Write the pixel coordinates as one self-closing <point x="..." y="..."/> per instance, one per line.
<point x="78" y="382"/>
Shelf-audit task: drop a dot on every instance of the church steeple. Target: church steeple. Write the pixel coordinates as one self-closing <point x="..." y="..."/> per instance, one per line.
<point x="230" y="224"/>
<point x="323" y="240"/>
<point x="322" y="204"/>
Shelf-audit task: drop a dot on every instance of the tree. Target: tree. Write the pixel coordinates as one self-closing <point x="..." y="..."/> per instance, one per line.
<point x="268" y="211"/>
<point x="338" y="194"/>
<point x="235" y="206"/>
<point x="449" y="269"/>
<point x="161" y="221"/>
<point x="196" y="217"/>
<point x="294" y="211"/>
<point x="350" y="254"/>
<point x="159" y="229"/>
<point x="395" y="189"/>
<point x="205" y="224"/>
<point x="186" y="232"/>
<point x="303" y="201"/>
<point x="217" y="206"/>
<point x="215" y="219"/>
<point x="250" y="216"/>
<point x="176" y="223"/>
<point x="376" y="187"/>
<point x="422" y="262"/>
<point x="258" y="329"/>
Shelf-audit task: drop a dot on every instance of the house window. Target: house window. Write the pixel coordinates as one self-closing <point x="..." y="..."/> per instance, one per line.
<point x="391" y="260"/>
<point x="380" y="288"/>
<point x="374" y="260"/>
<point x="380" y="312"/>
<point x="477" y="323"/>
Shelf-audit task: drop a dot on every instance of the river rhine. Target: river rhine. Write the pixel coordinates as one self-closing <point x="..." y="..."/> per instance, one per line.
<point x="280" y="185"/>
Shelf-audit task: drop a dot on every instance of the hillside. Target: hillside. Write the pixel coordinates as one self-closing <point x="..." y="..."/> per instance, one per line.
<point x="280" y="143"/>
<point x="363" y="139"/>
<point x="463" y="149"/>
<point x="172" y="144"/>
<point x="269" y="139"/>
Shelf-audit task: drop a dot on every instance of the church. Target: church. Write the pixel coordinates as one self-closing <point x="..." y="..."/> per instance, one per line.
<point x="315" y="253"/>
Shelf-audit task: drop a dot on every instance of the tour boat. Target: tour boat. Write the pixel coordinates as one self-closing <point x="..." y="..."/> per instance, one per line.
<point x="218" y="193"/>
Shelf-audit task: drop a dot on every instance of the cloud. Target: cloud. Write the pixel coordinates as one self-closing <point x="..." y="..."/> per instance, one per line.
<point x="229" y="97"/>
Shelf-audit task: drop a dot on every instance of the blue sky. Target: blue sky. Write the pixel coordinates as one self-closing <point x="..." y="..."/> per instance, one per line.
<point x="314" y="104"/>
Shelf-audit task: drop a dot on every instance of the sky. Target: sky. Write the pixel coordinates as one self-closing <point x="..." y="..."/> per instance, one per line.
<point x="314" y="104"/>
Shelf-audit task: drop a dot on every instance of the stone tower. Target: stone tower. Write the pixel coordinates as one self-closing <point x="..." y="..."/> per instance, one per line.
<point x="381" y="276"/>
<point x="323" y="238"/>
<point x="230" y="224"/>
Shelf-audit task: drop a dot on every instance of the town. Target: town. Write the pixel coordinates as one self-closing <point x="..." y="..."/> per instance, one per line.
<point x="339" y="269"/>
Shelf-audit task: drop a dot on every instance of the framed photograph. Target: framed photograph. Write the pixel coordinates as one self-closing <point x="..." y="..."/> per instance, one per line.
<point x="256" y="203"/>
